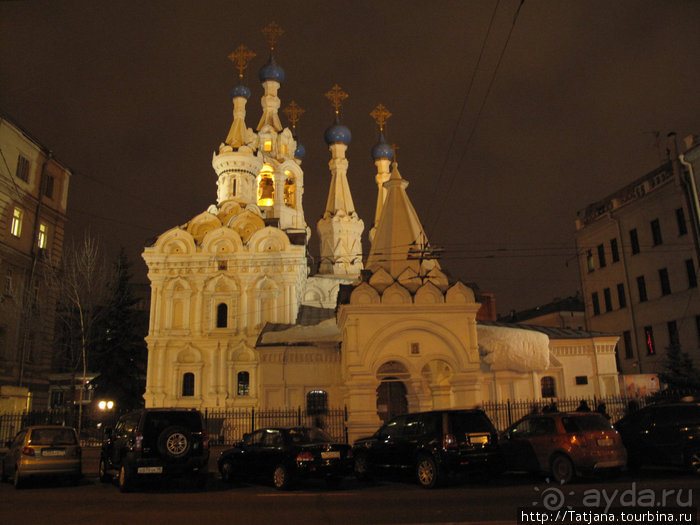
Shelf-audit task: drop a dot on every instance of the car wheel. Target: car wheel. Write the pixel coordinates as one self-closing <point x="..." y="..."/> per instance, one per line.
<point x="281" y="477"/>
<point x="226" y="471"/>
<point x="102" y="471"/>
<point x="361" y="467"/>
<point x="174" y="442"/>
<point x="427" y="472"/>
<point x="693" y="460"/>
<point x="562" y="468"/>
<point x="125" y="481"/>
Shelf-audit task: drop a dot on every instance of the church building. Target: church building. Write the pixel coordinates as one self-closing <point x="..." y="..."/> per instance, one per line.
<point x="238" y="321"/>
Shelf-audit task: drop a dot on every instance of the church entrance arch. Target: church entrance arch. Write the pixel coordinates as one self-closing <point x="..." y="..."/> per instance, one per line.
<point x="391" y="392"/>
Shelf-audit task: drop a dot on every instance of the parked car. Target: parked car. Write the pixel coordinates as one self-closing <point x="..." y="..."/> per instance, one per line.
<point x="47" y="450"/>
<point x="284" y="455"/>
<point x="663" y="434"/>
<point x="432" y="445"/>
<point x="563" y="444"/>
<point x="155" y="443"/>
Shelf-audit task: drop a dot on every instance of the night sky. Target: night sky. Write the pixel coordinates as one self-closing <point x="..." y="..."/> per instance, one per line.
<point x="509" y="118"/>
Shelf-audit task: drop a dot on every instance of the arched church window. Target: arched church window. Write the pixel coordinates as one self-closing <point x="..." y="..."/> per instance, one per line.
<point x="290" y="190"/>
<point x="548" y="387"/>
<point x="317" y="402"/>
<point x="188" y="384"/>
<point x="222" y="315"/>
<point x="243" y="383"/>
<point x="266" y="186"/>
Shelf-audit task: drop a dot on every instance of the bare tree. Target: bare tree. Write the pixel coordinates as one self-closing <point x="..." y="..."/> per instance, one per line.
<point x="81" y="287"/>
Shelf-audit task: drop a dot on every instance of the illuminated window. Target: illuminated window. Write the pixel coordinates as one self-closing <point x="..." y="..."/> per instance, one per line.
<point x="266" y="186"/>
<point x="42" y="239"/>
<point x="243" y="383"/>
<point x="284" y="149"/>
<point x="290" y="190"/>
<point x="16" y="227"/>
<point x="649" y="339"/>
<point x="188" y="385"/>
<point x="267" y="145"/>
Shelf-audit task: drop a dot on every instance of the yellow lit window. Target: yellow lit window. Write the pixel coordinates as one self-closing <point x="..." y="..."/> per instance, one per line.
<point x="284" y="149"/>
<point x="43" y="232"/>
<point x="267" y="145"/>
<point x="266" y="186"/>
<point x="16" y="227"/>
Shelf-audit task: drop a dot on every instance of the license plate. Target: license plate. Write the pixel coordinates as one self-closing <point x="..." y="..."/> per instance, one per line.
<point x="330" y="455"/>
<point x="478" y="439"/>
<point x="149" y="470"/>
<point x="605" y="442"/>
<point x="53" y="452"/>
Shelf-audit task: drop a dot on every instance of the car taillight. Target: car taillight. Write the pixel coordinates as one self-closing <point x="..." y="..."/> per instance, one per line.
<point x="304" y="456"/>
<point x="578" y="440"/>
<point x="138" y="442"/>
<point x="205" y="440"/>
<point x="449" y="441"/>
<point x="28" y="451"/>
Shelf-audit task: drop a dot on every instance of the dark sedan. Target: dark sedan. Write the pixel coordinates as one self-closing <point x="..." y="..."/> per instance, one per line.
<point x="283" y="455"/>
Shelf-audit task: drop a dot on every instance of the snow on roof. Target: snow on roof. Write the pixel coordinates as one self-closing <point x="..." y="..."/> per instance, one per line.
<point x="325" y="331"/>
<point x="513" y="348"/>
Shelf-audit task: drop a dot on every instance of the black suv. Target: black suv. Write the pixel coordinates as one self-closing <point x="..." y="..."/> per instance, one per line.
<point x="156" y="443"/>
<point x="432" y="445"/>
<point x="665" y="434"/>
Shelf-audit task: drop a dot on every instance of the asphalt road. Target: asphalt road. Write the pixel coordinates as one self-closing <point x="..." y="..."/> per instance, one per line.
<point x="394" y="501"/>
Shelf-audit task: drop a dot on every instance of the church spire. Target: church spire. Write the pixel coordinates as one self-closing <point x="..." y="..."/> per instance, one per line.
<point x="340" y="228"/>
<point x="271" y="76"/>
<point x="237" y="134"/>
<point x="382" y="155"/>
<point x="400" y="241"/>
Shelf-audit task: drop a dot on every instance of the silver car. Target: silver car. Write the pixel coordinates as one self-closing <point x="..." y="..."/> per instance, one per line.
<point x="46" y="450"/>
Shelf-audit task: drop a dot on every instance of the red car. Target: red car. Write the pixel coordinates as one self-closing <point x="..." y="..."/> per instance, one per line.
<point x="563" y="444"/>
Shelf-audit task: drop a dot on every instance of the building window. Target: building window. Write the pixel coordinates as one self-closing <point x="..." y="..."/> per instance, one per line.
<point x="673" y="337"/>
<point x="596" y="304"/>
<point x="621" y="297"/>
<point x="581" y="380"/>
<point x="317" y="402"/>
<point x="601" y="256"/>
<point x="42" y="239"/>
<point x="627" y="338"/>
<point x="548" y="387"/>
<point x="266" y="186"/>
<point x="16" y="226"/>
<point x="607" y="298"/>
<point x="48" y="186"/>
<point x="642" y="288"/>
<point x="665" y="283"/>
<point x="243" y="383"/>
<point x="680" y="219"/>
<point x="589" y="261"/>
<point x="188" y="385"/>
<point x="267" y="145"/>
<point x="222" y="315"/>
<point x="649" y="340"/>
<point x="56" y="398"/>
<point x="692" y="276"/>
<point x="656" y="232"/>
<point x="290" y="190"/>
<point x="23" y="169"/>
<point x="634" y="241"/>
<point x="615" y="252"/>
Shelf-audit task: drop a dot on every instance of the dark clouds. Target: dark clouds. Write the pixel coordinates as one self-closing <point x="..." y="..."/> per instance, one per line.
<point x="134" y="97"/>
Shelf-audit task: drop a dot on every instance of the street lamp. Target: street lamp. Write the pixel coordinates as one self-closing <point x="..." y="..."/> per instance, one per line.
<point x="105" y="405"/>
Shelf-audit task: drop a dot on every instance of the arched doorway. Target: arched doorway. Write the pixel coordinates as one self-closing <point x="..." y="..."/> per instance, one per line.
<point x="391" y="392"/>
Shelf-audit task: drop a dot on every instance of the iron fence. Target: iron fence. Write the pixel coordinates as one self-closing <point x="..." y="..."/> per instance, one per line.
<point x="226" y="426"/>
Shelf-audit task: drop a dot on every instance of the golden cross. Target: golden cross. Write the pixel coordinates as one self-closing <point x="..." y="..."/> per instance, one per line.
<point x="380" y="115"/>
<point x="241" y="56"/>
<point x="272" y="32"/>
<point x="336" y="95"/>
<point x="395" y="148"/>
<point x="293" y="112"/>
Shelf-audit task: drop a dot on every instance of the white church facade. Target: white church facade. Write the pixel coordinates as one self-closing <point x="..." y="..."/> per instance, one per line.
<point x="238" y="321"/>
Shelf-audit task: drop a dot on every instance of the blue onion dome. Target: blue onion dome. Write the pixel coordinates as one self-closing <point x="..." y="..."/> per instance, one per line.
<point x="300" y="152"/>
<point x="382" y="150"/>
<point x="337" y="133"/>
<point x="271" y="71"/>
<point x="240" y="91"/>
